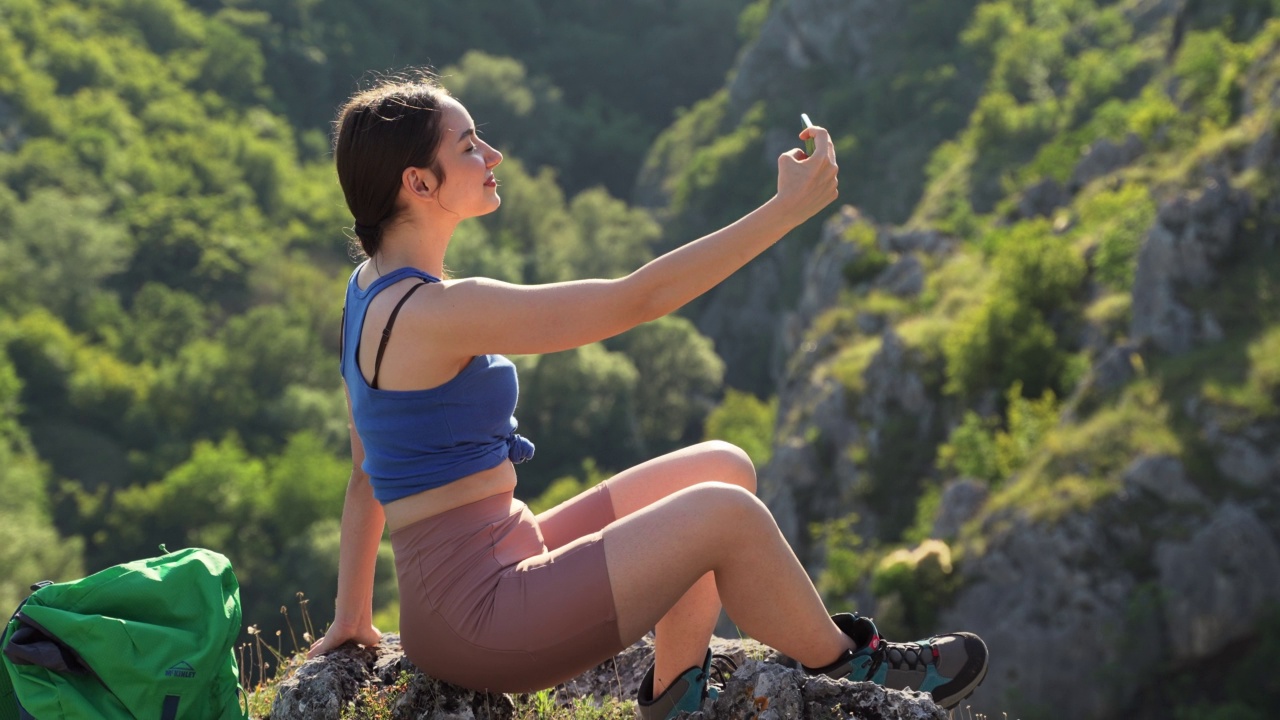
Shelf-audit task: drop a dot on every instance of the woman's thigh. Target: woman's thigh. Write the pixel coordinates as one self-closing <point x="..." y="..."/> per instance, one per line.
<point x="643" y="485"/>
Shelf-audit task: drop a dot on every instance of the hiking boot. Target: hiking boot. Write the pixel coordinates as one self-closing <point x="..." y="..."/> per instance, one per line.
<point x="949" y="667"/>
<point x="687" y="692"/>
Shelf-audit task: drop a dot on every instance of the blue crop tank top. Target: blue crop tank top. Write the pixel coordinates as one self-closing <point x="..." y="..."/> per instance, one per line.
<point x="415" y="440"/>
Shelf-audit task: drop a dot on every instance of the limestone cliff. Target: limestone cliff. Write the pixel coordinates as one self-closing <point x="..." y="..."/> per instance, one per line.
<point x="1140" y="542"/>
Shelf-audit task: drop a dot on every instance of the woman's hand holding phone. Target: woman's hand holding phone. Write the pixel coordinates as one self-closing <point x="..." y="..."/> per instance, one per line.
<point x="808" y="181"/>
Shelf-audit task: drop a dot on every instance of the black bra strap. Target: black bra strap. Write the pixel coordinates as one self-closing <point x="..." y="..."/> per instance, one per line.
<point x="386" y="334"/>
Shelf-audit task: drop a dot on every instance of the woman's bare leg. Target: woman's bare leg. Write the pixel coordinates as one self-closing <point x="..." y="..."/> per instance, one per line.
<point x="684" y="631"/>
<point x="656" y="554"/>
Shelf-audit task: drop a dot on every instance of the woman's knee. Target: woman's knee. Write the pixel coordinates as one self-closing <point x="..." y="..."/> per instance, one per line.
<point x="732" y="462"/>
<point x="728" y="506"/>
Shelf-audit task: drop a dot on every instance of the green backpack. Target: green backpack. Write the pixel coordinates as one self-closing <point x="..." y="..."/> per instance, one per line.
<point x="148" y="639"/>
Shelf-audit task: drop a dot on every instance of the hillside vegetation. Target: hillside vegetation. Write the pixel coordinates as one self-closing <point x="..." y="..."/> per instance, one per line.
<point x="173" y="256"/>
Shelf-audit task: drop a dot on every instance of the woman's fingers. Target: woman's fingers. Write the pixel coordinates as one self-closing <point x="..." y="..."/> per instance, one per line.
<point x="822" y="145"/>
<point x="806" y="183"/>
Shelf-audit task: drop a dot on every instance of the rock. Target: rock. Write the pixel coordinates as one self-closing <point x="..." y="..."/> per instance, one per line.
<point x="1112" y="371"/>
<point x="1217" y="585"/>
<point x="961" y="501"/>
<point x="1247" y="455"/>
<point x="1103" y="158"/>
<point x="1242" y="461"/>
<point x="1190" y="237"/>
<point x="1042" y="199"/>
<point x="767" y="691"/>
<point x="929" y="242"/>
<point x="798" y="484"/>
<point x="822" y="278"/>
<point x="849" y="36"/>
<point x="904" y="278"/>
<point x="766" y="685"/>
<point x="323" y="687"/>
<point x="1164" y="477"/>
<point x="1053" y="604"/>
<point x="619" y="678"/>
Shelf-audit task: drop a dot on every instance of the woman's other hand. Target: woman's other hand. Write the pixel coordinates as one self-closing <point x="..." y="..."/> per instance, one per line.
<point x="366" y="635"/>
<point x="808" y="184"/>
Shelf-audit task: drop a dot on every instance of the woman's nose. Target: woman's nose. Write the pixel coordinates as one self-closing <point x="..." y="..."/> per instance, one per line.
<point x="493" y="158"/>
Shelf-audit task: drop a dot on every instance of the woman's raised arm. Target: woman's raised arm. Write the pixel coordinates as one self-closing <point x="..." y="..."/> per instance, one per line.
<point x="477" y="316"/>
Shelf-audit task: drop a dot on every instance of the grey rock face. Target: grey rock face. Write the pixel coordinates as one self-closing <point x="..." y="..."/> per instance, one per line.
<point x="767" y="691"/>
<point x="961" y="501"/>
<point x="904" y="278"/>
<point x="765" y="686"/>
<point x="323" y="687"/>
<point x="1103" y="158"/>
<point x="1190" y="236"/>
<point x="791" y="41"/>
<point x="1218" y="583"/>
<point x="1163" y="477"/>
<point x="810" y="478"/>
<point x="1112" y="371"/>
<point x="1248" y="456"/>
<point x="1054" y="611"/>
<point x="1041" y="199"/>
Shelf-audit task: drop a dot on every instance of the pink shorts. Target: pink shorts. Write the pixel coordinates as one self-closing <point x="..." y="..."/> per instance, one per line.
<point x="491" y="599"/>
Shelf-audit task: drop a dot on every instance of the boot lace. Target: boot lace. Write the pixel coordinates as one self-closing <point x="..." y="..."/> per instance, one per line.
<point x="906" y="656"/>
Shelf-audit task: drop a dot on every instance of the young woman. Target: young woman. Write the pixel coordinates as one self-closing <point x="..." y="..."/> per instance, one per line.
<point x="496" y="598"/>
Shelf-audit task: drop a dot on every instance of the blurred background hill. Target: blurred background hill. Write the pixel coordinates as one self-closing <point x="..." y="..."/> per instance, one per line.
<point x="1023" y="380"/>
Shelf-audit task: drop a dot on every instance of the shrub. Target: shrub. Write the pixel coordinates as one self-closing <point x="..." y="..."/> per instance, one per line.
<point x="979" y="449"/>
<point x="911" y="586"/>
<point x="746" y="421"/>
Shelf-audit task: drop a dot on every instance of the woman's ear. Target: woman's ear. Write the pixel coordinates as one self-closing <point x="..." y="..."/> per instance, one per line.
<point x="419" y="182"/>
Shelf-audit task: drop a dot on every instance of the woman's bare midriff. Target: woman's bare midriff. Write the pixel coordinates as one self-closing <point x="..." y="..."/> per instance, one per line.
<point x="464" y="491"/>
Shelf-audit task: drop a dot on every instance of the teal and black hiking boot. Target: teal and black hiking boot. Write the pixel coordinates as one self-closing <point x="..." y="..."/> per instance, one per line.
<point x="687" y="692"/>
<point x="949" y="666"/>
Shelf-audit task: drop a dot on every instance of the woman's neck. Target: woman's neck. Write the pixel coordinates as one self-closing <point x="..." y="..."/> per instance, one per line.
<point x="412" y="245"/>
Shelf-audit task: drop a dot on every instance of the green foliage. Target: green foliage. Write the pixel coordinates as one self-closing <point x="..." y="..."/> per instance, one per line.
<point x="911" y="586"/>
<point x="568" y="487"/>
<point x="853" y="360"/>
<point x="849" y="560"/>
<point x="39" y="238"/>
<point x="30" y="547"/>
<point x="1118" y="221"/>
<point x="1006" y="336"/>
<point x="1264" y="369"/>
<point x="682" y="377"/>
<point x="1076" y="465"/>
<point x="577" y="399"/>
<point x="980" y="449"/>
<point x="1208" y="70"/>
<point x="728" y="166"/>
<point x="746" y="421"/>
<point x="752" y="19"/>
<point x="870" y="260"/>
<point x="673" y="151"/>
<point x="998" y="342"/>
<point x="609" y="70"/>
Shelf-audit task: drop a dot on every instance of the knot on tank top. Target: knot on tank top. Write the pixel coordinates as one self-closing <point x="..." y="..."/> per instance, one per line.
<point x="519" y="448"/>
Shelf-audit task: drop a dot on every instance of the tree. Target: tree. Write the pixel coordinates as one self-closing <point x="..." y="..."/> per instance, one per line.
<point x="681" y="377"/>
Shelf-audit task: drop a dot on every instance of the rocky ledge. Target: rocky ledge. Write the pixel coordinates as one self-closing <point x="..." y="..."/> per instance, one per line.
<point x="766" y="686"/>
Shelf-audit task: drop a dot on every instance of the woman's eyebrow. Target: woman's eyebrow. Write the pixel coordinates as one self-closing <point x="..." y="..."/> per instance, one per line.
<point x="468" y="132"/>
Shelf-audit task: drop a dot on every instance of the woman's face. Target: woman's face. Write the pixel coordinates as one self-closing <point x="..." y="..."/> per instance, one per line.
<point x="469" y="188"/>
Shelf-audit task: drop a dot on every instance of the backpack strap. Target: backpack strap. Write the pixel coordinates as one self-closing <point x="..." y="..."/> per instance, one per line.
<point x="386" y="334"/>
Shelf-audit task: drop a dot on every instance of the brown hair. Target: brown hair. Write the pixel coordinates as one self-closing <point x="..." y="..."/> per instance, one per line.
<point x="378" y="133"/>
